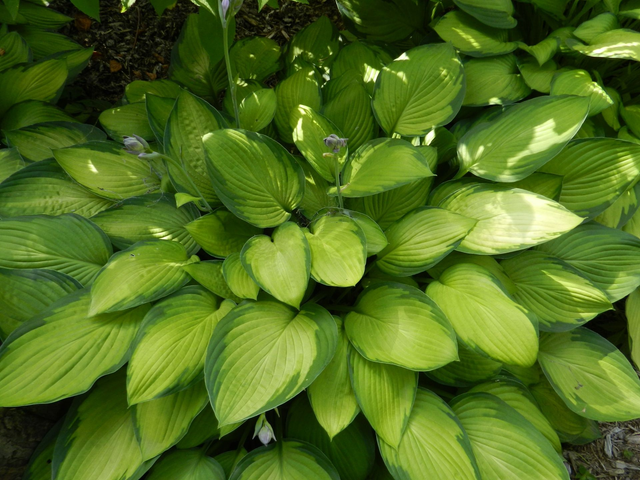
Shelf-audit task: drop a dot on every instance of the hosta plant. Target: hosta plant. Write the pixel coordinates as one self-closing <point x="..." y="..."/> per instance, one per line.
<point x="384" y="267"/>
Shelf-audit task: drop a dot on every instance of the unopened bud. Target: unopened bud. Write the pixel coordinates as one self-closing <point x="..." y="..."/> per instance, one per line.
<point x="264" y="431"/>
<point x="335" y="143"/>
<point x="228" y="9"/>
<point x="135" y="144"/>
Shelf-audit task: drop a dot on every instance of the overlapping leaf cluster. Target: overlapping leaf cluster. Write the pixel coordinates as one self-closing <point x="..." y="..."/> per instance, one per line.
<point x="407" y="303"/>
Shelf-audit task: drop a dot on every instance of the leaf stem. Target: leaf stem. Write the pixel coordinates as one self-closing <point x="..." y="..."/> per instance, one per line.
<point x="340" y="202"/>
<point x="230" y="76"/>
<point x="183" y="167"/>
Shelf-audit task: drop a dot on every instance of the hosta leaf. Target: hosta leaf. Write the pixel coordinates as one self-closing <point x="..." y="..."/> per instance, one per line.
<point x="143" y="273"/>
<point x="169" y="351"/>
<point x="383" y="164"/>
<point x="494" y="81"/>
<point x="316" y="196"/>
<point x="127" y="120"/>
<point x="495" y="13"/>
<point x="592" y="376"/>
<point x="557" y="293"/>
<point x="254" y="176"/>
<point x="229" y="460"/>
<point x="138" y="90"/>
<point x="317" y="43"/>
<point x="609" y="258"/>
<point x="309" y="131"/>
<point x="285" y="460"/>
<point x="97" y="439"/>
<point x="31" y="112"/>
<point x="522" y="138"/>
<point x="398" y="324"/>
<point x="421" y="89"/>
<point x="204" y="427"/>
<point x="257" y="109"/>
<point x="25" y="293"/>
<point x="578" y="82"/>
<point x="338" y="249"/>
<point x="469" y="369"/>
<point x="148" y="217"/>
<point x="589" y="30"/>
<point x="239" y="281"/>
<point x="107" y="170"/>
<point x="536" y="76"/>
<point x="62" y="351"/>
<point x="161" y="423"/>
<point x="509" y="219"/>
<point x="360" y="57"/>
<point x="209" y="274"/>
<point x="301" y="88"/>
<point x="331" y="395"/>
<point x="43" y="188"/>
<point x="187" y="465"/>
<point x="516" y="395"/>
<point x="158" y="111"/>
<point x="375" y="237"/>
<point x="190" y="119"/>
<point x="255" y="58"/>
<point x="421" y="239"/>
<point x="10" y="162"/>
<point x="622" y="210"/>
<point x="484" y="317"/>
<point x="385" y="394"/>
<point x="595" y="172"/>
<point x="505" y="444"/>
<point x="280" y="264"/>
<point x="545" y="184"/>
<point x="16" y="50"/>
<point x="433" y="446"/>
<point x="243" y="369"/>
<point x="632" y="312"/>
<point x="39" y="467"/>
<point x="473" y="37"/>
<point x="68" y="244"/>
<point x="620" y="43"/>
<point x="36" y="142"/>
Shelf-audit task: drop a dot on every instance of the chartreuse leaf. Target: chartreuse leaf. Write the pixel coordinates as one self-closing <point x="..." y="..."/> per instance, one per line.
<point x="97" y="439"/>
<point x="632" y="312"/>
<point x="138" y="90"/>
<point x="589" y="30"/>
<point x="25" y="293"/>
<point x="537" y="77"/>
<point x="30" y="112"/>
<point x="554" y="291"/>
<point x="522" y="138"/>
<point x="10" y="162"/>
<point x="578" y="82"/>
<point x="434" y="444"/>
<point x="398" y="324"/>
<point x="494" y="81"/>
<point x="301" y="88"/>
<point x="385" y="394"/>
<point x="331" y="395"/>
<point x="229" y="460"/>
<point x="484" y="317"/>
<point x="509" y="219"/>
<point x="516" y="395"/>
<point x="143" y="273"/>
<point x="221" y="233"/>
<point x="421" y="239"/>
<point x="338" y="249"/>
<point x="43" y="188"/>
<point x="622" y="210"/>
<point x="595" y="172"/>
<point x="285" y="460"/>
<point x="545" y="184"/>
<point x="244" y="372"/>
<point x="352" y="451"/>
<point x="360" y="57"/>
<point x="36" y="142"/>
<point x="169" y="351"/>
<point x="255" y="58"/>
<point x="592" y="376"/>
<point x="126" y="120"/>
<point x="309" y="131"/>
<point x="495" y="13"/>
<point x="107" y="170"/>
<point x="187" y="465"/>
<point x="316" y="195"/>
<point x="158" y="111"/>
<point x="609" y="258"/>
<point x="504" y="443"/>
<point x="484" y="261"/>
<point x="257" y="109"/>
<point x="239" y="281"/>
<point x="473" y="37"/>
<point x="254" y="176"/>
<point x="317" y="43"/>
<point x="209" y="274"/>
<point x="469" y="369"/>
<point x="421" y="89"/>
<point x="203" y="428"/>
<point x="280" y="264"/>
<point x="375" y="237"/>
<point x="148" y="217"/>
<point x="39" y="467"/>
<point x="190" y="119"/>
<point x="162" y="422"/>
<point x="619" y="43"/>
<point x="62" y="351"/>
<point x="36" y="81"/>
<point x="383" y="164"/>
<point x="69" y="244"/>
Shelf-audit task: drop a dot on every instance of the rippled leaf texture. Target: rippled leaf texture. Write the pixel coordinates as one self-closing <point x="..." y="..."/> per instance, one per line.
<point x="301" y="88"/>
<point x="494" y="81"/>
<point x="143" y="273"/>
<point x="239" y="281"/>
<point x="592" y="376"/>
<point x="209" y="274"/>
<point x="125" y="120"/>
<point x="138" y="90"/>
<point x="62" y="351"/>
<point x="255" y="58"/>
<point x="434" y="444"/>
<point x="187" y="465"/>
<point x="169" y="351"/>
<point x="317" y="43"/>
<point x="10" y="162"/>
<point x="495" y="13"/>
<point x="69" y="244"/>
<point x="578" y="82"/>
<point x="522" y="138"/>
<point x="16" y="50"/>
<point x="262" y="354"/>
<point x="421" y="89"/>
<point x="484" y="317"/>
<point x="254" y="176"/>
<point x="471" y="368"/>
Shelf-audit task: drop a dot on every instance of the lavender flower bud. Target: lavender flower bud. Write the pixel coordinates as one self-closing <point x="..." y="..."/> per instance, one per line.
<point x="135" y="144"/>
<point x="335" y="143"/>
